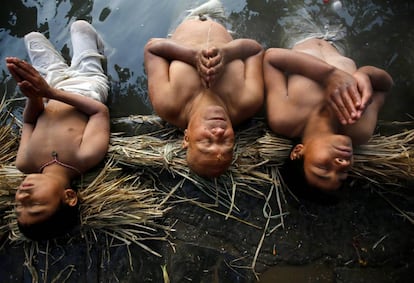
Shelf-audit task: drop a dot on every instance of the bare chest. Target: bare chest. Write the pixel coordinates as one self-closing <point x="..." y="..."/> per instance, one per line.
<point x="55" y="136"/>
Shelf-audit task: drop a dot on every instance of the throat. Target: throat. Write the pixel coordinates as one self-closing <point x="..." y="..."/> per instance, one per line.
<point x="321" y="121"/>
<point x="207" y="98"/>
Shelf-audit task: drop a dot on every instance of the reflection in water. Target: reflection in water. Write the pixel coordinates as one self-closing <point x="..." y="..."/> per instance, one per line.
<point x="378" y="33"/>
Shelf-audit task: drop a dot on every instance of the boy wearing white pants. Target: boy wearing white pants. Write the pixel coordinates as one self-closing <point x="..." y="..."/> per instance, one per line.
<point x="65" y="128"/>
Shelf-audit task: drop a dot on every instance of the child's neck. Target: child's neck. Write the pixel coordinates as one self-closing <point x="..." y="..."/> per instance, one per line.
<point x="322" y="121"/>
<point x="59" y="173"/>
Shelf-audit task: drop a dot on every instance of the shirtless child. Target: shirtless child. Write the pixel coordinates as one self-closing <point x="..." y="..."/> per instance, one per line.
<point x="321" y="97"/>
<point x="65" y="128"/>
<point x="203" y="81"/>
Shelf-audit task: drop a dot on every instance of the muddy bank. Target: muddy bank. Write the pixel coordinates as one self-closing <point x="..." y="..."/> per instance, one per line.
<point x="358" y="238"/>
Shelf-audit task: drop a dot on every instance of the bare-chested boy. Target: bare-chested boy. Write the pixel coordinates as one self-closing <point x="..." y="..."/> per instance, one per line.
<point x="204" y="81"/>
<point x="316" y="94"/>
<point x="65" y="128"/>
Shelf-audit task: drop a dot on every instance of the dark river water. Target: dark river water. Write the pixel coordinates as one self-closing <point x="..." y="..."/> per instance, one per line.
<point x="379" y="33"/>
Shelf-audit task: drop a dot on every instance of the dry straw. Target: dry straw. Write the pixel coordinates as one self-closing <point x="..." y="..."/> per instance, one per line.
<point x="383" y="160"/>
<point x="121" y="206"/>
<point x="255" y="169"/>
<point x="125" y="197"/>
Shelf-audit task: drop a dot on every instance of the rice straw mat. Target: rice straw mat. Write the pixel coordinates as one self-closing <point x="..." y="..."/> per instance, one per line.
<point x="125" y="196"/>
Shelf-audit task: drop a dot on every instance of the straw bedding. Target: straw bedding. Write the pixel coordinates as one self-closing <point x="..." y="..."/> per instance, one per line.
<point x="124" y="197"/>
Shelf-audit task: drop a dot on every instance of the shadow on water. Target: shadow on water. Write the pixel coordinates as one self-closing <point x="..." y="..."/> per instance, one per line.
<point x="379" y="33"/>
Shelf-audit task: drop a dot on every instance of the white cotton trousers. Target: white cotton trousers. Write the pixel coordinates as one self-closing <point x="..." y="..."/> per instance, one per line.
<point x="85" y="74"/>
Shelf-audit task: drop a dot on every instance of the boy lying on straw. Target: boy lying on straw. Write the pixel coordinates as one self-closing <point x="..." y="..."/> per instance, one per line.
<point x="327" y="102"/>
<point x="203" y="81"/>
<point x="65" y="130"/>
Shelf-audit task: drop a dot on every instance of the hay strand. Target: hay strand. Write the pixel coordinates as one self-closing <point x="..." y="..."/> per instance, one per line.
<point x="124" y="199"/>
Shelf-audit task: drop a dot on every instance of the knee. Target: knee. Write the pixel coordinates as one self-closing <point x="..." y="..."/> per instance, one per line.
<point x="33" y="34"/>
<point x="80" y="26"/>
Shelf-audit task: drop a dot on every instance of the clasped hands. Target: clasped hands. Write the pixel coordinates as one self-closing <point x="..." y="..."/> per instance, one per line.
<point x="348" y="95"/>
<point x="30" y="82"/>
<point x="210" y="65"/>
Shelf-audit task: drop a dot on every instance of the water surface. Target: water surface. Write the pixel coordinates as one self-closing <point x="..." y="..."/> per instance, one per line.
<point x="380" y="33"/>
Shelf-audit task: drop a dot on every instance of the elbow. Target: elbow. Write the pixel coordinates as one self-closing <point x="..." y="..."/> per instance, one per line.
<point x="279" y="128"/>
<point x="390" y="82"/>
<point x="259" y="48"/>
<point x="21" y="164"/>
<point x="276" y="123"/>
<point x="385" y="81"/>
<point x="154" y="40"/>
<point x="106" y="118"/>
<point x="274" y="57"/>
<point x="362" y="137"/>
<point x="268" y="54"/>
<point x="148" y="46"/>
<point x="152" y="44"/>
<point x="105" y="110"/>
<point x="99" y="109"/>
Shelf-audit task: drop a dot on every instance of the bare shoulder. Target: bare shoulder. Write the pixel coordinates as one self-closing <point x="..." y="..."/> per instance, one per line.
<point x="286" y="124"/>
<point x="170" y="98"/>
<point x="170" y="111"/>
<point x="245" y="107"/>
<point x="24" y="165"/>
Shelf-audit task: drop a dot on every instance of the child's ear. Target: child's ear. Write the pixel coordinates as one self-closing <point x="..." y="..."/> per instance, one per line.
<point x="297" y="152"/>
<point x="71" y="197"/>
<point x="185" y="140"/>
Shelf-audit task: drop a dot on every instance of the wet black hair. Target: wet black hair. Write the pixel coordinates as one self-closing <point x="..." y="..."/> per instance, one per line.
<point x="293" y="174"/>
<point x="65" y="219"/>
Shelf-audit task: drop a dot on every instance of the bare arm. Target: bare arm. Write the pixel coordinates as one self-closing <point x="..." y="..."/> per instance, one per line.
<point x="279" y="116"/>
<point x="161" y="90"/>
<point x="96" y="134"/>
<point x="252" y="95"/>
<point x="213" y="60"/>
<point x="170" y="50"/>
<point x="372" y="79"/>
<point x="294" y="62"/>
<point x="95" y="139"/>
<point x="34" y="104"/>
<point x="380" y="83"/>
<point x="340" y="87"/>
<point x="33" y="108"/>
<point x="242" y="49"/>
<point x="380" y="79"/>
<point x="35" y="88"/>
